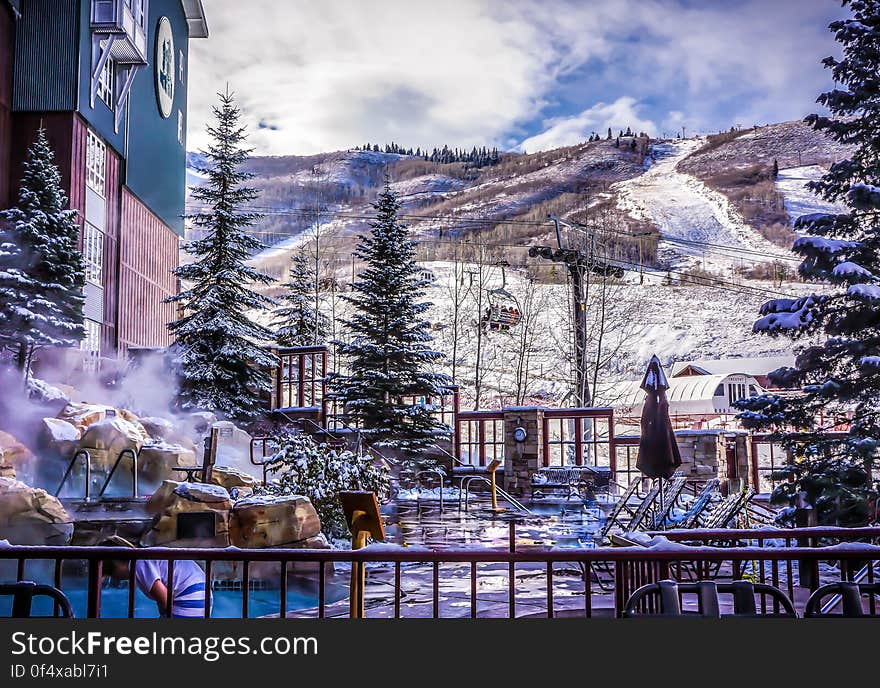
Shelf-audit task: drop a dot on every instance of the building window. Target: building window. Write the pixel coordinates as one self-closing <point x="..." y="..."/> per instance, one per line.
<point x="93" y="253"/>
<point x="96" y="162"/>
<point x="91" y="343"/>
<point x="106" y="82"/>
<point x="180" y="130"/>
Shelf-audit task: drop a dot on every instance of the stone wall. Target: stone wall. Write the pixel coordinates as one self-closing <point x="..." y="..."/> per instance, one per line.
<point x="522" y="459"/>
<point x="704" y="454"/>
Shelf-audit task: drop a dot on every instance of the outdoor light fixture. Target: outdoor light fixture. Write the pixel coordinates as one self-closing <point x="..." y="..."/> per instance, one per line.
<point x="519" y="432"/>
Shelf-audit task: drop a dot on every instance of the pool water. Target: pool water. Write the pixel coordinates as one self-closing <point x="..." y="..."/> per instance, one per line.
<point x="302" y="593"/>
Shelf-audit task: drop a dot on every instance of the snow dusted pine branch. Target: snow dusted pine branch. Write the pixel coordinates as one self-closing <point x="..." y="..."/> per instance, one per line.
<point x="838" y="381"/>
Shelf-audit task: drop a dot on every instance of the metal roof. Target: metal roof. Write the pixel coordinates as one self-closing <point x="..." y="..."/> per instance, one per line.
<point x="195" y="18"/>
<point x="688" y="394"/>
<point x="732" y="366"/>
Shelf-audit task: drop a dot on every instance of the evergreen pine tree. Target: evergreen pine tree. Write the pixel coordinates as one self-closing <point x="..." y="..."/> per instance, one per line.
<point x="775" y="168"/>
<point x="297" y="322"/>
<point x="608" y="138"/>
<point x="388" y="355"/>
<point x="42" y="274"/>
<point x="223" y="367"/>
<point x="837" y="381"/>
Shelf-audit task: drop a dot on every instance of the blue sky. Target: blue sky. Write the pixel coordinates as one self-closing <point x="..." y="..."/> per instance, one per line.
<point x="519" y="74"/>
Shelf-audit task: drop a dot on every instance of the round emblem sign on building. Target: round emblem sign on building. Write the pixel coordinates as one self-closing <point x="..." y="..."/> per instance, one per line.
<point x="165" y="67"/>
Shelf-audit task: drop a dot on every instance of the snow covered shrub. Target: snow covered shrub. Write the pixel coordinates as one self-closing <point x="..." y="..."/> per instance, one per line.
<point x="303" y="467"/>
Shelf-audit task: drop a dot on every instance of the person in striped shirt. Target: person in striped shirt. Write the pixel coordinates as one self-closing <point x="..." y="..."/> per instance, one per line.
<point x="151" y="578"/>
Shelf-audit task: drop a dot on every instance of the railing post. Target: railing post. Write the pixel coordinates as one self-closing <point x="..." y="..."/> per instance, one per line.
<point x="93" y="603"/>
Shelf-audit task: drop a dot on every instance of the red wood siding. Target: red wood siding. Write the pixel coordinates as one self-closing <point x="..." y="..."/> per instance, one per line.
<point x="113" y="193"/>
<point x="59" y="130"/>
<point x="148" y="252"/>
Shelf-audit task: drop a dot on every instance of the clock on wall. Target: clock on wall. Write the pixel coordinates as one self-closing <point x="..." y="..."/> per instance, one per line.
<point x="165" y="67"/>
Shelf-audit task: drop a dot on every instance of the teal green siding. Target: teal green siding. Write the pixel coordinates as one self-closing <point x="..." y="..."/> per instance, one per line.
<point x="156" y="169"/>
<point x="43" y="79"/>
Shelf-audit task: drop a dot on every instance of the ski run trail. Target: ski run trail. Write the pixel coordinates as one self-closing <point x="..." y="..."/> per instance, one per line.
<point x="699" y="227"/>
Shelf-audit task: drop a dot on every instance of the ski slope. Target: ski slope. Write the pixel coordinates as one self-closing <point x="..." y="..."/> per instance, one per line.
<point x="797" y="198"/>
<point x="699" y="227"/>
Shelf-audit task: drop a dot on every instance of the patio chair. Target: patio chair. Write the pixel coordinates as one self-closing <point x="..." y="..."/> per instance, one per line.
<point x="651" y="503"/>
<point x="664" y="598"/>
<point x="845" y="592"/>
<point x="728" y="509"/>
<point x="667" y="500"/>
<point x="700" y="505"/>
<point x="617" y="511"/>
<point x="23" y="594"/>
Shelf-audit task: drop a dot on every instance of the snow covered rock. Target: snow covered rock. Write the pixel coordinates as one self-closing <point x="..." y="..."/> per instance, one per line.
<point x="57" y="430"/>
<point x="273" y="521"/>
<point x="157" y="460"/>
<point x="82" y="415"/>
<point x="202" y="421"/>
<point x="111" y="436"/>
<point x="31" y="516"/>
<point x="174" y="498"/>
<point x="232" y="478"/>
<point x="159" y="428"/>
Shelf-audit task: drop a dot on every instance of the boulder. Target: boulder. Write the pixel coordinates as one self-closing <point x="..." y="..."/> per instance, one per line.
<point x="14" y="456"/>
<point x="31" y="516"/>
<point x="157" y="461"/>
<point x="202" y="421"/>
<point x="232" y="478"/>
<point x="174" y="498"/>
<point x="57" y="430"/>
<point x="272" y="521"/>
<point x="111" y="436"/>
<point x="59" y="438"/>
<point x="159" y="428"/>
<point x="82" y="414"/>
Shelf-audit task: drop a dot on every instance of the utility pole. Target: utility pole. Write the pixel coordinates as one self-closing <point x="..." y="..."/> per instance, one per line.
<point x="576" y="270"/>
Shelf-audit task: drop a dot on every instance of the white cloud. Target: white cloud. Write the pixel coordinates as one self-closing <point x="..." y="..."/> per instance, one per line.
<point x="567" y="131"/>
<point x="323" y="76"/>
<point x="329" y="75"/>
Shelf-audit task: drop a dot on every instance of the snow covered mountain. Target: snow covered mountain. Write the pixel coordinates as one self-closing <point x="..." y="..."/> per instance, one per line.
<point x="701" y="227"/>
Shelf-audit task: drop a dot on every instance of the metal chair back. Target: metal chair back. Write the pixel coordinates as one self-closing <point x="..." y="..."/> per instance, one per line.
<point x="24" y="592"/>
<point x="663" y="598"/>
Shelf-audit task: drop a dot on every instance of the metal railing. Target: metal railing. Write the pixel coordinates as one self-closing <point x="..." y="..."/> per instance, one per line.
<point x="88" y="487"/>
<point x="629" y="568"/>
<point x="134" y="472"/>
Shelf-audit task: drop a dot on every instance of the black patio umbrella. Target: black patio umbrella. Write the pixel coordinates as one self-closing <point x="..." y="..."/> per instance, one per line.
<point x="658" y="451"/>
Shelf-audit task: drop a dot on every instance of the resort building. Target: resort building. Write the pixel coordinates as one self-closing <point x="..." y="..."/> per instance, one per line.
<point x="107" y="80"/>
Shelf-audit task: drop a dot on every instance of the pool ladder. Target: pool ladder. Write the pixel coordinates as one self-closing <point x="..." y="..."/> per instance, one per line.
<point x="88" y="463"/>
<point x="466" y="489"/>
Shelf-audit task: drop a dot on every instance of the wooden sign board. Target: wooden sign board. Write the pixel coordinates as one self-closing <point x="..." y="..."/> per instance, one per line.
<point x="370" y="518"/>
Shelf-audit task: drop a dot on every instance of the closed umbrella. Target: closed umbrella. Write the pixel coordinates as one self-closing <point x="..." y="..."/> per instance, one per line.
<point x="658" y="451"/>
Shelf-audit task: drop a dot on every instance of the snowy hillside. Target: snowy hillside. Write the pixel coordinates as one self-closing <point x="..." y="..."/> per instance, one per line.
<point x="694" y="299"/>
<point x="799" y="200"/>
<point x="690" y="215"/>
